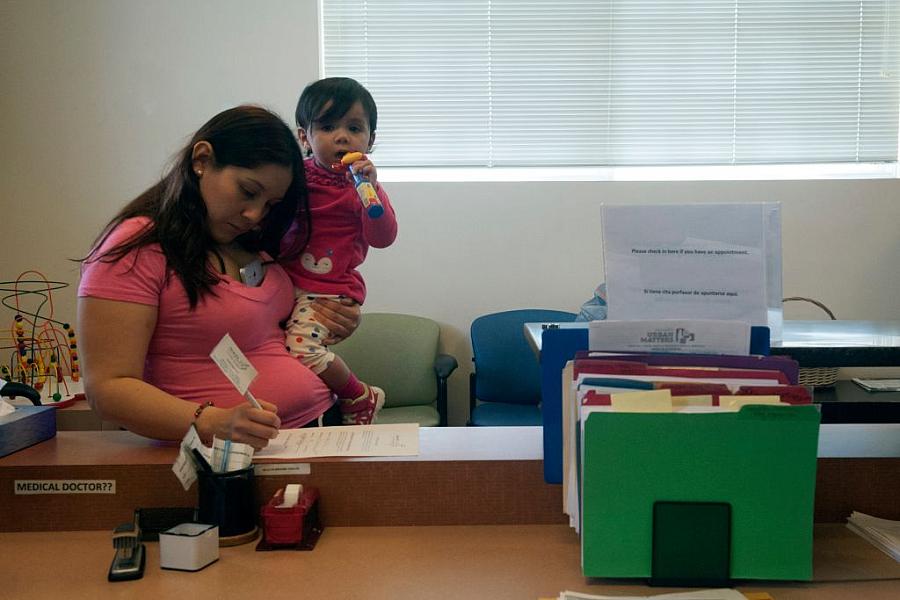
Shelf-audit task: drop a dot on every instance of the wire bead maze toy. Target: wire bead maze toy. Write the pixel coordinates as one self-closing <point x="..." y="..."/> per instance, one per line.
<point x="43" y="351"/>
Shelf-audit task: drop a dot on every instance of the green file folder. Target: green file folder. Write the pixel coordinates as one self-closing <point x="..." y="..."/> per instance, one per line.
<point x="761" y="461"/>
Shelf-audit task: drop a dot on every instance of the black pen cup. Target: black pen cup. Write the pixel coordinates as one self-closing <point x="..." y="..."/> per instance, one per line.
<point x="229" y="501"/>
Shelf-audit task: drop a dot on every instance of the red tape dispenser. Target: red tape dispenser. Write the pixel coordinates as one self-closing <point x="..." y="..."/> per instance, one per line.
<point x="291" y="519"/>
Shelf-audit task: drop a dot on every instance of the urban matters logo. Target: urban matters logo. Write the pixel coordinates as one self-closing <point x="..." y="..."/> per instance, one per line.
<point x="679" y="335"/>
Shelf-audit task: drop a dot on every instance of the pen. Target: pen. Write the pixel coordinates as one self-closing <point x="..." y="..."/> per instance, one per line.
<point x="200" y="461"/>
<point x="249" y="397"/>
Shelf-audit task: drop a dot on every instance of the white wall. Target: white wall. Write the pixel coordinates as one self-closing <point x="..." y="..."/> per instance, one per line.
<point x="98" y="94"/>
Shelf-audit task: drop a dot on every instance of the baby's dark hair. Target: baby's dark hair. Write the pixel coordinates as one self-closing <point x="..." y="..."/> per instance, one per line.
<point x="342" y="92"/>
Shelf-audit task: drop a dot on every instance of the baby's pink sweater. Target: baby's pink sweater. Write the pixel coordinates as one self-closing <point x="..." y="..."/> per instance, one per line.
<point x="341" y="235"/>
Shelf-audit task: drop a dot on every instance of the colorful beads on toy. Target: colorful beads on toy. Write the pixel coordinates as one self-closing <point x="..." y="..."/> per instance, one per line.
<point x="38" y="343"/>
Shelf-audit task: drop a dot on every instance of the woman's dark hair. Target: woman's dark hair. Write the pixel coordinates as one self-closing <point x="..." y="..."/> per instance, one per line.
<point x="246" y="137"/>
<point x="342" y="92"/>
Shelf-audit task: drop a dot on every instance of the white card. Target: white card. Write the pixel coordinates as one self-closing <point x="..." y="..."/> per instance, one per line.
<point x="681" y="336"/>
<point x="233" y="364"/>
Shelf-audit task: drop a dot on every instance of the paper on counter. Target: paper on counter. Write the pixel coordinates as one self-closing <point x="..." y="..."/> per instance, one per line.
<point x="709" y="594"/>
<point x="183" y="467"/>
<point x="884" y="534"/>
<point x="6" y="408"/>
<point x="399" y="439"/>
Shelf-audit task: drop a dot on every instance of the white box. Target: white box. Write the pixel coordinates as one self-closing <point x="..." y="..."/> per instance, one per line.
<point x="189" y="546"/>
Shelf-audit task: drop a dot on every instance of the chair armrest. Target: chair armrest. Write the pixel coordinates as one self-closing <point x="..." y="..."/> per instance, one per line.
<point x="444" y="365"/>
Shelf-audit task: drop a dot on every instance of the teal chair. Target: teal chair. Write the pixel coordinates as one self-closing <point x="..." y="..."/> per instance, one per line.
<point x="505" y="385"/>
<point x="399" y="354"/>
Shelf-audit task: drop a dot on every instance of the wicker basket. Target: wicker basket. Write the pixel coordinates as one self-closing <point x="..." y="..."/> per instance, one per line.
<point x="816" y="376"/>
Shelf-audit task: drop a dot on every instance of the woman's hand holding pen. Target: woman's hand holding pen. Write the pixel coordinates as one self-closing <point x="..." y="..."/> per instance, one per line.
<point x="242" y="423"/>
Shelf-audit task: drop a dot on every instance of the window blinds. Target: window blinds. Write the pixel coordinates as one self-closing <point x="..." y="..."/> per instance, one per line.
<point x="622" y="82"/>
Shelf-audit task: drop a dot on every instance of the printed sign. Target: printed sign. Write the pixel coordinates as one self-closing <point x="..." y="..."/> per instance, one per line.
<point x="692" y="261"/>
<point x="64" y="486"/>
<point x="704" y="336"/>
<point x="281" y="469"/>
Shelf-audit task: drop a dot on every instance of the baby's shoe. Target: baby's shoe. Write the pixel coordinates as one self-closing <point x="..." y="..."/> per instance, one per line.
<point x="362" y="410"/>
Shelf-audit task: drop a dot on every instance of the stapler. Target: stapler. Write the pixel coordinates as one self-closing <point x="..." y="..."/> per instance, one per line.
<point x="128" y="562"/>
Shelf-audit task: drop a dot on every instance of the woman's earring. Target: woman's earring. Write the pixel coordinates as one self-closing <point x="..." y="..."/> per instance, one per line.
<point x="199" y="172"/>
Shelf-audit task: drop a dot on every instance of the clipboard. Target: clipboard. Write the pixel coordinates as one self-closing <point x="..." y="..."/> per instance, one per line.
<point x="761" y="461"/>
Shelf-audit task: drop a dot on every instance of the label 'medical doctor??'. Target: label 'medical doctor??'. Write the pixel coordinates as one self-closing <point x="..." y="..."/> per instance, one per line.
<point x="64" y="486"/>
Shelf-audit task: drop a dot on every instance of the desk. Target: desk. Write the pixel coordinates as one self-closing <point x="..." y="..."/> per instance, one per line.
<point x="79" y="416"/>
<point x="846" y="402"/>
<point x="462" y="476"/>
<point x="500" y="562"/>
<point x="841" y="343"/>
<point x="502" y="532"/>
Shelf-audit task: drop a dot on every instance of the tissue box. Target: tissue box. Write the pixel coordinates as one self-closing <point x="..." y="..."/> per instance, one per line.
<point x="189" y="546"/>
<point x="26" y="426"/>
<point x="295" y="524"/>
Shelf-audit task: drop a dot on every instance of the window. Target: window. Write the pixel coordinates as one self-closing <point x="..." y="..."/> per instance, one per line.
<point x="622" y="82"/>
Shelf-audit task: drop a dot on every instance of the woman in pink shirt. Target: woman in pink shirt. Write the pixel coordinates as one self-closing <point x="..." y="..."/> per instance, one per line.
<point x="190" y="260"/>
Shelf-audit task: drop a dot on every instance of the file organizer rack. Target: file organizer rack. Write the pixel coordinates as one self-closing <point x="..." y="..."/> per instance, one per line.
<point x="761" y="461"/>
<point x="559" y="346"/>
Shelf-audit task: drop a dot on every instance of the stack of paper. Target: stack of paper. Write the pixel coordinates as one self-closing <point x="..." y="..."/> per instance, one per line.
<point x="881" y="533"/>
<point x="714" y="594"/>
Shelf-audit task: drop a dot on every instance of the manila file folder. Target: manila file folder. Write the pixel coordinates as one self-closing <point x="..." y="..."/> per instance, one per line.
<point x="760" y="460"/>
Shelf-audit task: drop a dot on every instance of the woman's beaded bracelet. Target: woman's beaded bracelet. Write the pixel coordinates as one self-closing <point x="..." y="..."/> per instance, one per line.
<point x="199" y="410"/>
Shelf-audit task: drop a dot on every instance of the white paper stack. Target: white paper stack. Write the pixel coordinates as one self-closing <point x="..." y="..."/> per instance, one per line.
<point x="710" y="594"/>
<point x="881" y="533"/>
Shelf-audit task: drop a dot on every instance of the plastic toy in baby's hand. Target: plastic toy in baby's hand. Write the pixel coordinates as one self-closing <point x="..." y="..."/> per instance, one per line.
<point x="364" y="187"/>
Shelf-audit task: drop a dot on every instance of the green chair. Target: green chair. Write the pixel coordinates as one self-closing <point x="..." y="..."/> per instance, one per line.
<point x="399" y="354"/>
